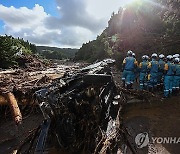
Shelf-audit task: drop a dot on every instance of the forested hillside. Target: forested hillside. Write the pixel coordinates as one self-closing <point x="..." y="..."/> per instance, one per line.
<point x="56" y="53"/>
<point x="11" y="48"/>
<point x="142" y="26"/>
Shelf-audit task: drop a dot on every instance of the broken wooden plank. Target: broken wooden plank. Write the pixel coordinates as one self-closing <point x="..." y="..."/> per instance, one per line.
<point x="9" y="71"/>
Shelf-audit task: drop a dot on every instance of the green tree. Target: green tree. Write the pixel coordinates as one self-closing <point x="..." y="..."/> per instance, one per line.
<point x="7" y="53"/>
<point x="9" y="46"/>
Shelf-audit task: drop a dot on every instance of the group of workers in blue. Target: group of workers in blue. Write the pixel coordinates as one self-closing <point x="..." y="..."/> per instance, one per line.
<point x="155" y="73"/>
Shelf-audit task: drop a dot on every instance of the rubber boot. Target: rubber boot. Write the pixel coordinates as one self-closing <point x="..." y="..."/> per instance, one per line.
<point x="175" y="93"/>
<point x="130" y="86"/>
<point x="150" y="89"/>
<point x="155" y="88"/>
<point x="123" y="84"/>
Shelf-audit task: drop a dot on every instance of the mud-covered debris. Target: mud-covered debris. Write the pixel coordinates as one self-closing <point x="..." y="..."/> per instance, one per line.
<point x="81" y="109"/>
<point x="23" y="81"/>
<point x="84" y="112"/>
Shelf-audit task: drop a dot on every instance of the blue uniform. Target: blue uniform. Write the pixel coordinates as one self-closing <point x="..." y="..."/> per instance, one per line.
<point x="135" y="74"/>
<point x="143" y="68"/>
<point x="161" y="72"/>
<point x="168" y="78"/>
<point x="130" y="64"/>
<point x="153" y="76"/>
<point x="176" y="81"/>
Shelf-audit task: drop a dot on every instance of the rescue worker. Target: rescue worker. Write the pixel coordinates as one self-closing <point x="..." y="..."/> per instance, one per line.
<point x="161" y="71"/>
<point x="143" y="73"/>
<point x="135" y="76"/>
<point x="169" y="69"/>
<point x="128" y="67"/>
<point x="153" y="72"/>
<point x="176" y="80"/>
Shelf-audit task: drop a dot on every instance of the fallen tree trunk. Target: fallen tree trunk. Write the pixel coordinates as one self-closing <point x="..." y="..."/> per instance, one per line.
<point x="16" y="113"/>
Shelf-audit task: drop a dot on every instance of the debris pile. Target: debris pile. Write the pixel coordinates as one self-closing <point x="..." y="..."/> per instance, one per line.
<point x="82" y="112"/>
<point x="24" y="80"/>
<point x="81" y="108"/>
<point x="77" y="108"/>
<point x="31" y="62"/>
<point x="21" y="84"/>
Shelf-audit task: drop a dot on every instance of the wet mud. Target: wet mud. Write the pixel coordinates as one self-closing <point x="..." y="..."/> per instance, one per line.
<point x="157" y="119"/>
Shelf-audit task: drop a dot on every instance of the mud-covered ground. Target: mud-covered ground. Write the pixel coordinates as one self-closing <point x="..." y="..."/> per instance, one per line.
<point x="158" y="119"/>
<point x="11" y="136"/>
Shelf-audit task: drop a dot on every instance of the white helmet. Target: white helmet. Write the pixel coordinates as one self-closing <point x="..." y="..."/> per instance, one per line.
<point x="144" y="57"/>
<point x="154" y="55"/>
<point x="147" y="57"/>
<point x="177" y="60"/>
<point x="170" y="57"/>
<point x="176" y="56"/>
<point x="133" y="54"/>
<point x="129" y="52"/>
<point x="161" y="56"/>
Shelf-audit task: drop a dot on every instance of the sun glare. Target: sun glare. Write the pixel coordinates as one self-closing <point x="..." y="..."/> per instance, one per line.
<point x="131" y="1"/>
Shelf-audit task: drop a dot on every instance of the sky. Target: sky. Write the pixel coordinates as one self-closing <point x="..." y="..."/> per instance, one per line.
<point x="59" y="23"/>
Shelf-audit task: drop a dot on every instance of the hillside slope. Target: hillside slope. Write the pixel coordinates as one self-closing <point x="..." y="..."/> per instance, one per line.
<point x="11" y="48"/>
<point x="143" y="26"/>
<point x="64" y="52"/>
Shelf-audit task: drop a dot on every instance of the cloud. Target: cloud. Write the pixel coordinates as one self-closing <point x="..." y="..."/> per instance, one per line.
<point x="28" y="23"/>
<point x="22" y="17"/>
<point x="74" y="13"/>
<point x="78" y="22"/>
<point x="75" y="36"/>
<point x="41" y="28"/>
<point x="103" y="8"/>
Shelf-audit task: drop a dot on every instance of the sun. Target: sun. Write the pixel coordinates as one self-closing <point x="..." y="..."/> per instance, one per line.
<point x="131" y="1"/>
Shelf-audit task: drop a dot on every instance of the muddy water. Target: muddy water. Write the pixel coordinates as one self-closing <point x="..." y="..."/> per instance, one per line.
<point x="11" y="135"/>
<point x="158" y="119"/>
